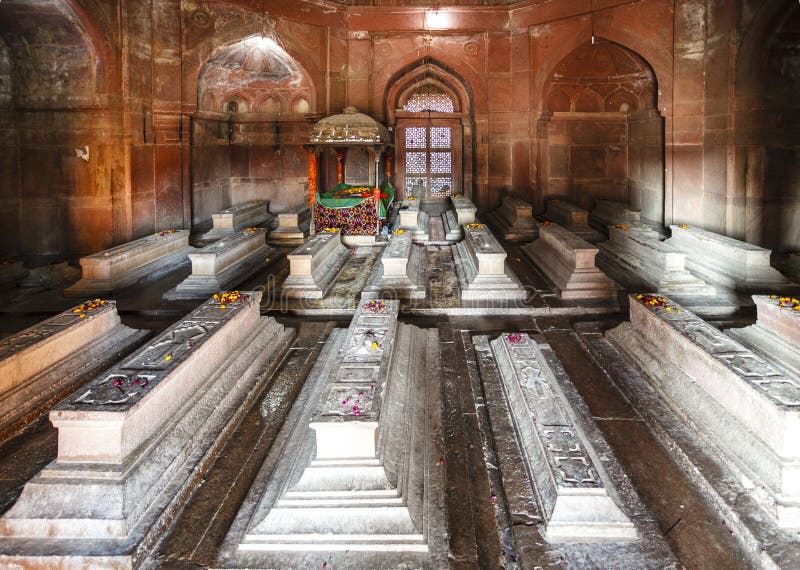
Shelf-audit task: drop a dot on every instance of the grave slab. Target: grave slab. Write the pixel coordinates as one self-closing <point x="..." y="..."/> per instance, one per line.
<point x="293" y="227"/>
<point x="126" y="264"/>
<point x="776" y="333"/>
<point x="412" y="219"/>
<point x="236" y="218"/>
<point x="314" y="265"/>
<point x="12" y="272"/>
<point x="344" y="479"/>
<point x="133" y="441"/>
<point x="52" y="276"/>
<point x="653" y="264"/>
<point x="569" y="262"/>
<point x="43" y="363"/>
<point x="573" y="489"/>
<point x="400" y="273"/>
<point x="483" y="273"/>
<point x="573" y="218"/>
<point x="513" y="220"/>
<point x="452" y="230"/>
<point x="610" y="213"/>
<point x="742" y="404"/>
<point x="224" y="264"/>
<point x="464" y="210"/>
<point x="734" y="264"/>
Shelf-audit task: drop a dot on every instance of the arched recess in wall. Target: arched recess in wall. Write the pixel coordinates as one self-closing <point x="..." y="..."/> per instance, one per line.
<point x="767" y="156"/>
<point x="256" y="103"/>
<point x="56" y="204"/>
<point x="428" y="107"/>
<point x="601" y="134"/>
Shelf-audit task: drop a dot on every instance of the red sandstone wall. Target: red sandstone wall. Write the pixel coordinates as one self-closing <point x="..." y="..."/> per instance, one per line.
<point x="123" y="79"/>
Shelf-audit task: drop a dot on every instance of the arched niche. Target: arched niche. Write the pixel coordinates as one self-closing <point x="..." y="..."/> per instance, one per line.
<point x="254" y="151"/>
<point x="428" y="107"/>
<point x="602" y="136"/>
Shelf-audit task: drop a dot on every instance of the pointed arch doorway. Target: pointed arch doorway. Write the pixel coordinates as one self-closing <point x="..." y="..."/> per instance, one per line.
<point x="432" y="126"/>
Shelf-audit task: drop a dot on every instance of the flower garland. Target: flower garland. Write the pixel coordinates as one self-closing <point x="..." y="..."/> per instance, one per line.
<point x="787" y="302"/>
<point x="514" y="338"/>
<point x="375" y="307"/>
<point x="225" y="298"/>
<point x="249" y="231"/>
<point x="126" y="379"/>
<point x="399" y="232"/>
<point x="655" y="301"/>
<point x="545" y="223"/>
<point x="85" y="308"/>
<point x="331" y="230"/>
<point x="165" y="233"/>
<point x="411" y="198"/>
<point x="683" y="226"/>
<point x="473" y="226"/>
<point x="622" y="227"/>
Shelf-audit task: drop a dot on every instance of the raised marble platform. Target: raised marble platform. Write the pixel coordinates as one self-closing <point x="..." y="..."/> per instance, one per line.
<point x="125" y="264"/>
<point x="412" y="219"/>
<point x="353" y="473"/>
<point x="483" y="273"/>
<point x="734" y="264"/>
<point x="610" y="213"/>
<point x="400" y="274"/>
<point x="314" y="265"/>
<point x="43" y="363"/>
<point x="573" y="218"/>
<point x="293" y="227"/>
<point x="513" y="220"/>
<point x="569" y="263"/>
<point x="732" y="398"/>
<point x="776" y="332"/>
<point x="236" y="218"/>
<point x="51" y="276"/>
<point x="464" y="210"/>
<point x="224" y="264"/>
<point x="133" y="441"/>
<point x="12" y="272"/>
<point x="452" y="230"/>
<point x="575" y="494"/>
<point x="649" y="263"/>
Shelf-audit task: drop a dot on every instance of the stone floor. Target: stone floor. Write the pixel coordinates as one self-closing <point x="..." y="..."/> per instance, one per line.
<point x="483" y="530"/>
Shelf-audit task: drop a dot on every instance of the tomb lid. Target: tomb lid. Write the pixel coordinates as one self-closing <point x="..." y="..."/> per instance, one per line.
<point x="349" y="128"/>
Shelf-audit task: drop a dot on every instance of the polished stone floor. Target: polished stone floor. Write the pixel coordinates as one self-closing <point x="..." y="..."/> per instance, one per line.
<point x="478" y="529"/>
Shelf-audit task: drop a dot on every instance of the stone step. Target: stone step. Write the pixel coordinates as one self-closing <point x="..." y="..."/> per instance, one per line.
<point x="354" y="478"/>
<point x="321" y="524"/>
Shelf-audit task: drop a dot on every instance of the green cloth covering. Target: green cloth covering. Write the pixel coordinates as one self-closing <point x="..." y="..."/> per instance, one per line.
<point x="329" y="200"/>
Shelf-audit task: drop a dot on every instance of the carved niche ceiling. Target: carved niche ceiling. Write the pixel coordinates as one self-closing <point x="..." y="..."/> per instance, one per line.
<point x="258" y="58"/>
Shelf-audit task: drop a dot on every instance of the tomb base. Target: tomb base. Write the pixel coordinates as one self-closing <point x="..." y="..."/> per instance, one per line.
<point x="237" y="218"/>
<point x="776" y="333"/>
<point x="293" y="227"/>
<point x="483" y="273"/>
<point x="452" y="230"/>
<point x="224" y="264"/>
<point x="569" y="262"/>
<point x="315" y="265"/>
<point x="129" y="453"/>
<point x="344" y="478"/>
<point x="735" y="401"/>
<point x="731" y="263"/>
<point x="42" y="364"/>
<point x="574" y="491"/>
<point x="400" y="273"/>
<point x="572" y="218"/>
<point x="53" y="276"/>
<point x="12" y="272"/>
<point x="648" y="264"/>
<point x="514" y="221"/>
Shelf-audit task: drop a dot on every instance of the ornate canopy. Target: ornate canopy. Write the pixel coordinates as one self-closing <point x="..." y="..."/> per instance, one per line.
<point x="350" y="128"/>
